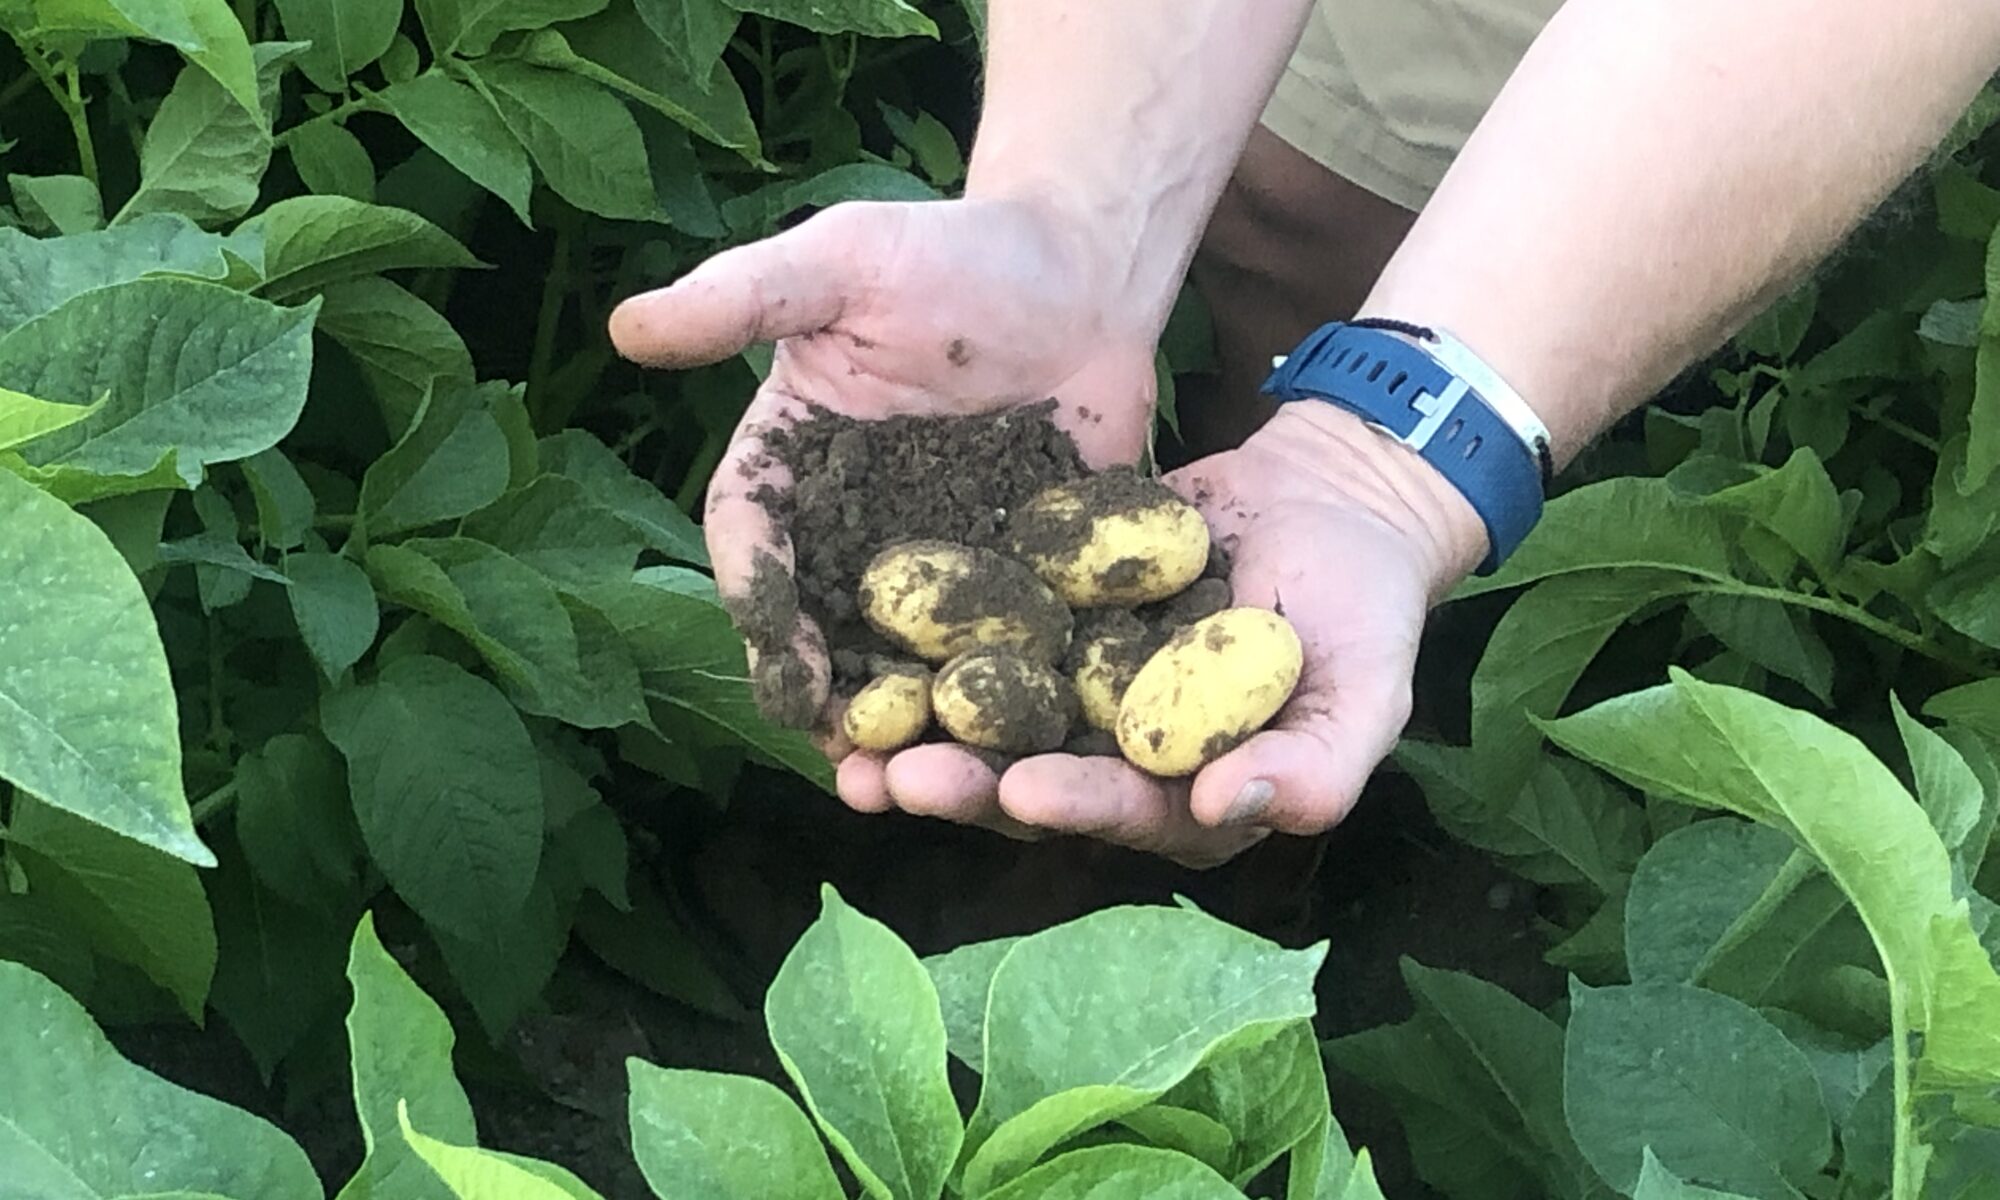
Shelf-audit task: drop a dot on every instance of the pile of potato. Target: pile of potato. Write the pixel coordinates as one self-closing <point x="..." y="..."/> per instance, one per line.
<point x="1098" y="618"/>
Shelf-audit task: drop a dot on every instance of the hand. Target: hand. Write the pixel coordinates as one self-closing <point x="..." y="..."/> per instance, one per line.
<point x="1353" y="538"/>
<point x="945" y="308"/>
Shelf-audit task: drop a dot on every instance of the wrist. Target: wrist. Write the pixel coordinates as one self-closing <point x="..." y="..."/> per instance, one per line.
<point x="1341" y="453"/>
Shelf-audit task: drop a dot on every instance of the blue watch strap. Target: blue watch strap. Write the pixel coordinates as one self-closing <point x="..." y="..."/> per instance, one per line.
<point x="1392" y="382"/>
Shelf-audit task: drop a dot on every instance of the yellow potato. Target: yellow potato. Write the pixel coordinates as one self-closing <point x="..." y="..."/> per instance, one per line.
<point x="1213" y="684"/>
<point x="1001" y="701"/>
<point x="1113" y="539"/>
<point x="1108" y="664"/>
<point x="890" y="712"/>
<point x="939" y="599"/>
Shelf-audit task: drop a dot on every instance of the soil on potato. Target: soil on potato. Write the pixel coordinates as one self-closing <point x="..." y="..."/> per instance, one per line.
<point x="860" y="486"/>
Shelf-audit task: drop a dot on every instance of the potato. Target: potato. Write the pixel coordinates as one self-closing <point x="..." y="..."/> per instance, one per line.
<point x="997" y="700"/>
<point x="1213" y="684"/>
<point x="1108" y="664"/>
<point x="939" y="599"/>
<point x="1116" y="538"/>
<point x="889" y="712"/>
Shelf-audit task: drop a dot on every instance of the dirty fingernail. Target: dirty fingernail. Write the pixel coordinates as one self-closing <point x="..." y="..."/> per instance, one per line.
<point x="1250" y="803"/>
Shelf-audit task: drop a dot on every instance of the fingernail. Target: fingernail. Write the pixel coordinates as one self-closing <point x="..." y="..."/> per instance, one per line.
<point x="1250" y="803"/>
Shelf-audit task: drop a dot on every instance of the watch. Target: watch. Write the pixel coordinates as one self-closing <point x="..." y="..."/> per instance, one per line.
<point x="1423" y="388"/>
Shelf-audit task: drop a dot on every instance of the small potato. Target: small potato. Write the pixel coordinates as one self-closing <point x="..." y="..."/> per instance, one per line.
<point x="1108" y="665"/>
<point x="1213" y="684"/>
<point x="939" y="599"/>
<point x="1116" y="538"/>
<point x="890" y="712"/>
<point x="1000" y="701"/>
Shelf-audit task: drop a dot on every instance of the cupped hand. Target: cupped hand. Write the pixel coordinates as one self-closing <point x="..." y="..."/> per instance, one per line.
<point x="1350" y="536"/>
<point x="944" y="308"/>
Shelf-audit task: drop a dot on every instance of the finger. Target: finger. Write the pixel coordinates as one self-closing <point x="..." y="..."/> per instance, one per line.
<point x="1304" y="773"/>
<point x="1110" y="408"/>
<point x="1106" y="799"/>
<point x="784" y="286"/>
<point x="860" y="781"/>
<point x="952" y="784"/>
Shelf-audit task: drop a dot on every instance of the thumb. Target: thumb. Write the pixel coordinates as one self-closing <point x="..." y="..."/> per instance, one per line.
<point x="784" y="286"/>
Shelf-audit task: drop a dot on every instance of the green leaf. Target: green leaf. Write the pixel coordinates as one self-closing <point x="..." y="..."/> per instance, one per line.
<point x="334" y="604"/>
<point x="577" y="455"/>
<point x="1537" y="652"/>
<point x="963" y="977"/>
<point x="586" y="143"/>
<point x="446" y="789"/>
<point x="78" y="1120"/>
<point x="296" y="823"/>
<point x="23" y="418"/>
<point x="346" y="35"/>
<point x="312" y="241"/>
<point x="1658" y="1183"/>
<point x="464" y="129"/>
<point x="91" y="724"/>
<point x="452" y="461"/>
<point x="468" y="27"/>
<point x="474" y="1174"/>
<point x="1773" y="635"/>
<point x="553" y="526"/>
<point x="1690" y="888"/>
<point x="1777" y="331"/>
<point x="64" y="204"/>
<point x="206" y="32"/>
<point x="504" y="970"/>
<point x="331" y="160"/>
<point x="278" y="967"/>
<point x="1624" y="522"/>
<point x="136" y="904"/>
<point x="651" y="947"/>
<point x="855" y="1021"/>
<point x="728" y="1137"/>
<point x="759" y="211"/>
<point x="1798" y="502"/>
<point x="190" y="368"/>
<point x="1963" y="598"/>
<point x="872" y="18"/>
<point x="285" y="505"/>
<point x="616" y="49"/>
<point x="1713" y="1089"/>
<point x="695" y="32"/>
<point x="1947" y="788"/>
<point x="1183" y="1131"/>
<point x="1267" y="1098"/>
<point x="405" y="348"/>
<point x="1150" y="994"/>
<point x="1717" y="747"/>
<point x="204" y="155"/>
<point x="401" y="1045"/>
<point x="38" y="274"/>
<point x="1119" y="1171"/>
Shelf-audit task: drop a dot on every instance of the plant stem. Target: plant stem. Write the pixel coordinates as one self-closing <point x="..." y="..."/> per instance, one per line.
<point x="363" y="102"/>
<point x="1906" y="1175"/>
<point x="66" y="88"/>
<point x="555" y="294"/>
<point x="215" y="803"/>
<point x="1850" y="613"/>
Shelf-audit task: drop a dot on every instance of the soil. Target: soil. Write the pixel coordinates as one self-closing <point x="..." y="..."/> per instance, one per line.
<point x="1025" y="709"/>
<point x="1056" y="531"/>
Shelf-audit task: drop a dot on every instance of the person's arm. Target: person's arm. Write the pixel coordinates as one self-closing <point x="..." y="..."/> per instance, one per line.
<point x="1658" y="170"/>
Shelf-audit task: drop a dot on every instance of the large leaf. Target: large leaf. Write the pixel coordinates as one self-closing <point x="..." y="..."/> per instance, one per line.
<point x="79" y="1122"/>
<point x="1775" y="636"/>
<point x="182" y="367"/>
<point x="875" y="18"/>
<point x="584" y="140"/>
<point x="453" y="460"/>
<point x="963" y="977"/>
<point x="462" y="126"/>
<point x="401" y="1045"/>
<point x="204" y="155"/>
<point x="346" y="35"/>
<point x="90" y="722"/>
<point x="312" y="241"/>
<point x="39" y="274"/>
<point x="1714" y="1090"/>
<point x="1721" y="747"/>
<point x="446" y="787"/>
<point x="1626" y="522"/>
<point x="1690" y="889"/>
<point x="23" y="418"/>
<point x="618" y="50"/>
<point x="405" y="347"/>
<point x="205" y="31"/>
<point x="1103" y="1171"/>
<point x="334" y="604"/>
<point x="278" y="969"/>
<point x="136" y="905"/>
<point x="727" y="1137"/>
<point x="285" y="504"/>
<point x="855" y="1021"/>
<point x="577" y="455"/>
<point x="1149" y="995"/>
<point x="1947" y="787"/>
<point x="1798" y="502"/>
<point x="475" y="1174"/>
<point x="554" y="526"/>
<point x="468" y="27"/>
<point x="296" y="823"/>
<point x="330" y="159"/>
<point x="693" y="31"/>
<point x="504" y="970"/>
<point x="1267" y="1097"/>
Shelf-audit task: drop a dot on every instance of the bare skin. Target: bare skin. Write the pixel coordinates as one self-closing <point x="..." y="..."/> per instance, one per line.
<point x="1654" y="173"/>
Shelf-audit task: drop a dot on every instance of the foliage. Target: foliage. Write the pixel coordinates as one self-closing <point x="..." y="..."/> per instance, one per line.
<point x="1222" y="1082"/>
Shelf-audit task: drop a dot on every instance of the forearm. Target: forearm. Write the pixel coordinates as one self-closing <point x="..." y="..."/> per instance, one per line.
<point x="1129" y="116"/>
<point x="1657" y="170"/>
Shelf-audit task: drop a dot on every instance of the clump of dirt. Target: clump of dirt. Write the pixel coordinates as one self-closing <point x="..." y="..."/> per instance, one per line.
<point x="859" y="486"/>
